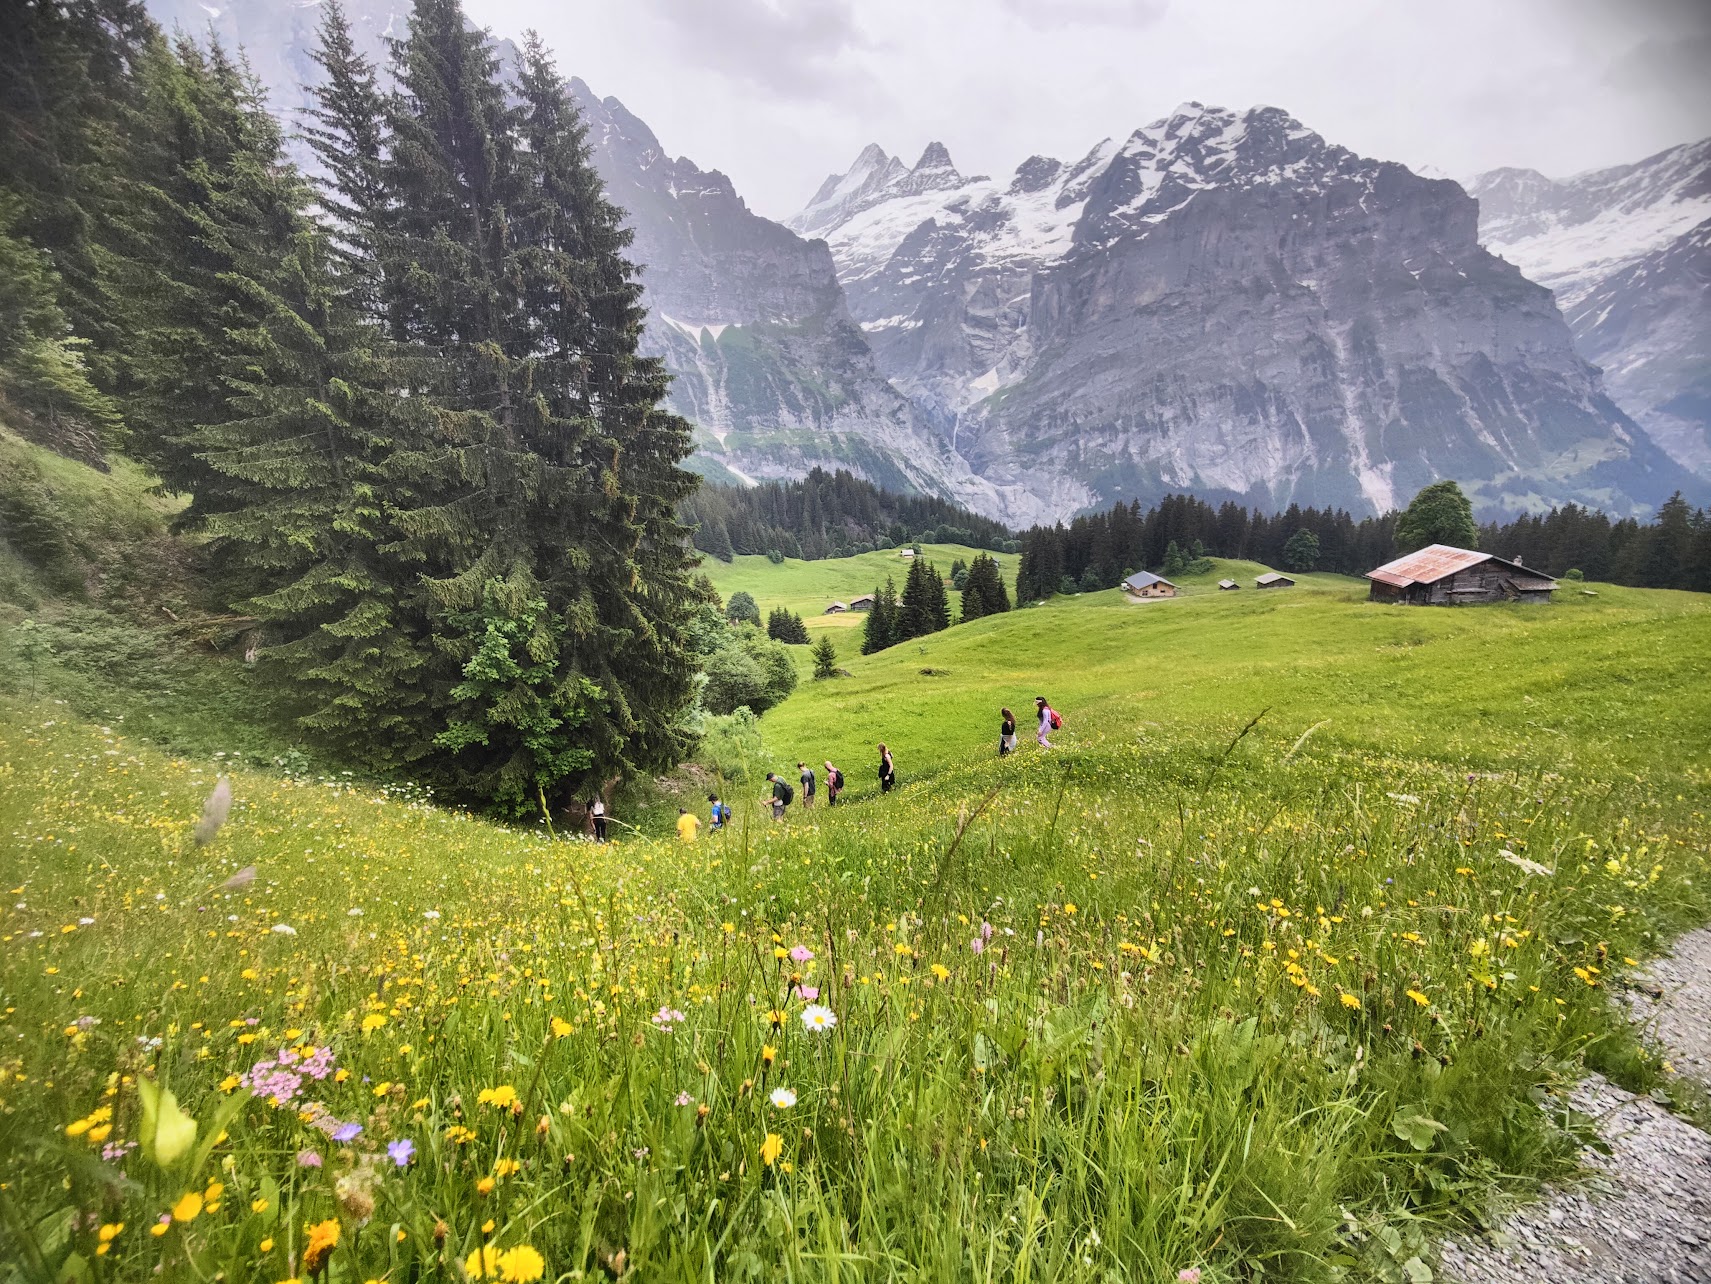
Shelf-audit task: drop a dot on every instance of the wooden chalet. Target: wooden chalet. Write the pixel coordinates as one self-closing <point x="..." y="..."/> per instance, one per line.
<point x="862" y="603"/>
<point x="1274" y="579"/>
<point x="1145" y="584"/>
<point x="1441" y="575"/>
<point x="836" y="608"/>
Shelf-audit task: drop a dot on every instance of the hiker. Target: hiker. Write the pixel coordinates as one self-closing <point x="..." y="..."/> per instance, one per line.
<point x="1049" y="722"/>
<point x="807" y="785"/>
<point x="597" y="813"/>
<point x="834" y="784"/>
<point x="721" y="813"/>
<point x="782" y="794"/>
<point x="887" y="770"/>
<point x="1007" y="734"/>
<point x="687" y="825"/>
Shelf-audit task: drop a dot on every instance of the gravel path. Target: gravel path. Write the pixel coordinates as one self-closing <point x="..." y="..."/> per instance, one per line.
<point x="1644" y="1214"/>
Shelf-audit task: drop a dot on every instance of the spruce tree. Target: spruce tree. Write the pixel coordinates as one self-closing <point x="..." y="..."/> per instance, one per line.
<point x="984" y="593"/>
<point x="879" y="630"/>
<point x="925" y="606"/>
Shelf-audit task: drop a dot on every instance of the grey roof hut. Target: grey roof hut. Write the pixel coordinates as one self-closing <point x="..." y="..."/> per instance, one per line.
<point x="1147" y="585"/>
<point x="1226" y="586"/>
<point x="1272" y="579"/>
<point x="1443" y="575"/>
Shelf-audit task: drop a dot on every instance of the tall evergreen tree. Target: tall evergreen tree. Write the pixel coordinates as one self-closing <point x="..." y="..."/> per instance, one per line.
<point x="983" y="593"/>
<point x="879" y="630"/>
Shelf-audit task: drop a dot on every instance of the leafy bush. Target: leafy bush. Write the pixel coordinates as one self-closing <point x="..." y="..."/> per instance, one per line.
<point x="741" y="609"/>
<point x="731" y="745"/>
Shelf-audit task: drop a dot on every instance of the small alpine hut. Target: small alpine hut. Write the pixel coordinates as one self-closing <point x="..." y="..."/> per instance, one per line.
<point x="1272" y="579"/>
<point x="862" y="603"/>
<point x="1441" y="575"/>
<point x="1144" y="584"/>
<point x="1228" y="586"/>
<point x="836" y="608"/>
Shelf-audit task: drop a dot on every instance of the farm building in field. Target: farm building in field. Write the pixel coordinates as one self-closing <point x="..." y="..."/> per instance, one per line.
<point x="1440" y="575"/>
<point x="1228" y="586"/>
<point x="1146" y="584"/>
<point x="862" y="603"/>
<point x="1272" y="579"/>
<point x="836" y="608"/>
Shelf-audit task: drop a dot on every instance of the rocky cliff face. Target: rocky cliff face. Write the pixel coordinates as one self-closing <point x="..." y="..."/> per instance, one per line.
<point x="1628" y="253"/>
<point x="1227" y="303"/>
<point x="751" y="320"/>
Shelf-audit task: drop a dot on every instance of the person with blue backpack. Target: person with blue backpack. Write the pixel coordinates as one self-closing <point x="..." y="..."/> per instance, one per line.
<point x="720" y="812"/>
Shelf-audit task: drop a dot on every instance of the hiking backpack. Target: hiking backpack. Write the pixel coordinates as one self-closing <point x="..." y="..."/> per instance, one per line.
<point x="789" y="795"/>
<point x="1057" y="722"/>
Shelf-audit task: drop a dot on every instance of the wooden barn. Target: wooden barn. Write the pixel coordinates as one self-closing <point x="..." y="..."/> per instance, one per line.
<point x="1273" y="579"/>
<point x="1146" y="584"/>
<point x="836" y="608"/>
<point x="1228" y="586"/>
<point x="862" y="603"/>
<point x="1440" y="575"/>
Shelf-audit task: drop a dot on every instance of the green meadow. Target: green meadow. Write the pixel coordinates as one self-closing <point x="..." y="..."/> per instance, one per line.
<point x="1282" y="959"/>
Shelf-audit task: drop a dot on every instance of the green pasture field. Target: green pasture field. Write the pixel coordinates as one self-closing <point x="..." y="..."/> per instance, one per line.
<point x="1282" y="959"/>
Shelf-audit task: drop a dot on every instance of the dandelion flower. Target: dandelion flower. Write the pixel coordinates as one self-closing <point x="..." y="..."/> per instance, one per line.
<point x="1348" y="1000"/>
<point x="504" y="1096"/>
<point x="818" y="1017"/>
<point x="323" y="1237"/>
<point x="1419" y="998"/>
<point x="521" y="1265"/>
<point x="483" y="1263"/>
<point x="783" y="1098"/>
<point x="771" y="1148"/>
<point x="941" y="971"/>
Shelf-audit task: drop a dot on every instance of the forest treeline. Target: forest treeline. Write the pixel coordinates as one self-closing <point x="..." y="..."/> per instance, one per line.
<point x="427" y="467"/>
<point x="1097" y="550"/>
<point x="829" y="515"/>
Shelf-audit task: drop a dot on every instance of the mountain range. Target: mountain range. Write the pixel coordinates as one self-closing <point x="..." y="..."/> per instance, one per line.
<point x="1224" y="302"/>
<point x="1627" y="252"/>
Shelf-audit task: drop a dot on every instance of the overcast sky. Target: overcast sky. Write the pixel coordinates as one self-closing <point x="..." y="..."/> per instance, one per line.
<point x="779" y="93"/>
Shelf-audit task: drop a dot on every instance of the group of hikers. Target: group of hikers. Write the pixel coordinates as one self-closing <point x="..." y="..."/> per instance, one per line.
<point x="781" y="794"/>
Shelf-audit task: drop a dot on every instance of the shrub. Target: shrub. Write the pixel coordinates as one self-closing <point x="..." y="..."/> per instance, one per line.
<point x="741" y="609"/>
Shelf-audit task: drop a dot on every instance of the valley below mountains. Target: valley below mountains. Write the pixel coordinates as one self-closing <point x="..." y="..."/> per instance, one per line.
<point x="1224" y="302"/>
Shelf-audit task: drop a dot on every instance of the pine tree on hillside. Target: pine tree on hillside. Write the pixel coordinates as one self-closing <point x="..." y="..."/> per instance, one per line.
<point x="879" y="630"/>
<point x="68" y="128"/>
<point x="983" y="592"/>
<point x="213" y="176"/>
<point x="347" y="130"/>
<point x="925" y="607"/>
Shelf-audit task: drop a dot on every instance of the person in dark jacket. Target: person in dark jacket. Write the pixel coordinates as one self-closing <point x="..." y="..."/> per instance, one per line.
<point x="781" y="794"/>
<point x="807" y="776"/>
<point x="1006" y="734"/>
<point x="887" y="770"/>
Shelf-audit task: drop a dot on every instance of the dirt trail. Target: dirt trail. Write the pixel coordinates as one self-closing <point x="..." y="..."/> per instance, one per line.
<point x="1644" y="1216"/>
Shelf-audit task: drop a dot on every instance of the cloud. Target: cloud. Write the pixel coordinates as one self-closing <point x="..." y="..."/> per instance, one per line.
<point x="790" y="48"/>
<point x="1057" y="14"/>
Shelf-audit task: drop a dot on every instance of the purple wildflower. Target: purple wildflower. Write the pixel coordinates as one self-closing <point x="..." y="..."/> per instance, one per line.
<point x="807" y="993"/>
<point x="802" y="954"/>
<point x="684" y="1099"/>
<point x="308" y="1159"/>
<point x="346" y="1132"/>
<point x="402" y="1152"/>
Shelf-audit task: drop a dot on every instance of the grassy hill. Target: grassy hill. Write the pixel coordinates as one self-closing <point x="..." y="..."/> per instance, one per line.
<point x="808" y="588"/>
<point x="1168" y="997"/>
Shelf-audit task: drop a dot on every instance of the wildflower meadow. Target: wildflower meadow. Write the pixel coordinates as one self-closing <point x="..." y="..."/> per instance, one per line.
<point x="1270" y="1007"/>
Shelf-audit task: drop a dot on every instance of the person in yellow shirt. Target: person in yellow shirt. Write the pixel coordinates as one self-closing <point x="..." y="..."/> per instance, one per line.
<point x="687" y="825"/>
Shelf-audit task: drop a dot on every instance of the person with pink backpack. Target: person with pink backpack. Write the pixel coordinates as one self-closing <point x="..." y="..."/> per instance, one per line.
<point x="1049" y="722"/>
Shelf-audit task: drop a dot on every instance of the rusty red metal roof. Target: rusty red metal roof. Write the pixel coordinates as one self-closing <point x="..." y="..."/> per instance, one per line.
<point x="1435" y="561"/>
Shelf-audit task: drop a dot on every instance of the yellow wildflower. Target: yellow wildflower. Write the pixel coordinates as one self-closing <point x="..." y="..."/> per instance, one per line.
<point x="1419" y="998"/>
<point x="1348" y="1000"/>
<point x="483" y="1263"/>
<point x="771" y="1148"/>
<point x="504" y="1096"/>
<point x="188" y="1208"/>
<point x="323" y="1237"/>
<point x="521" y="1265"/>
